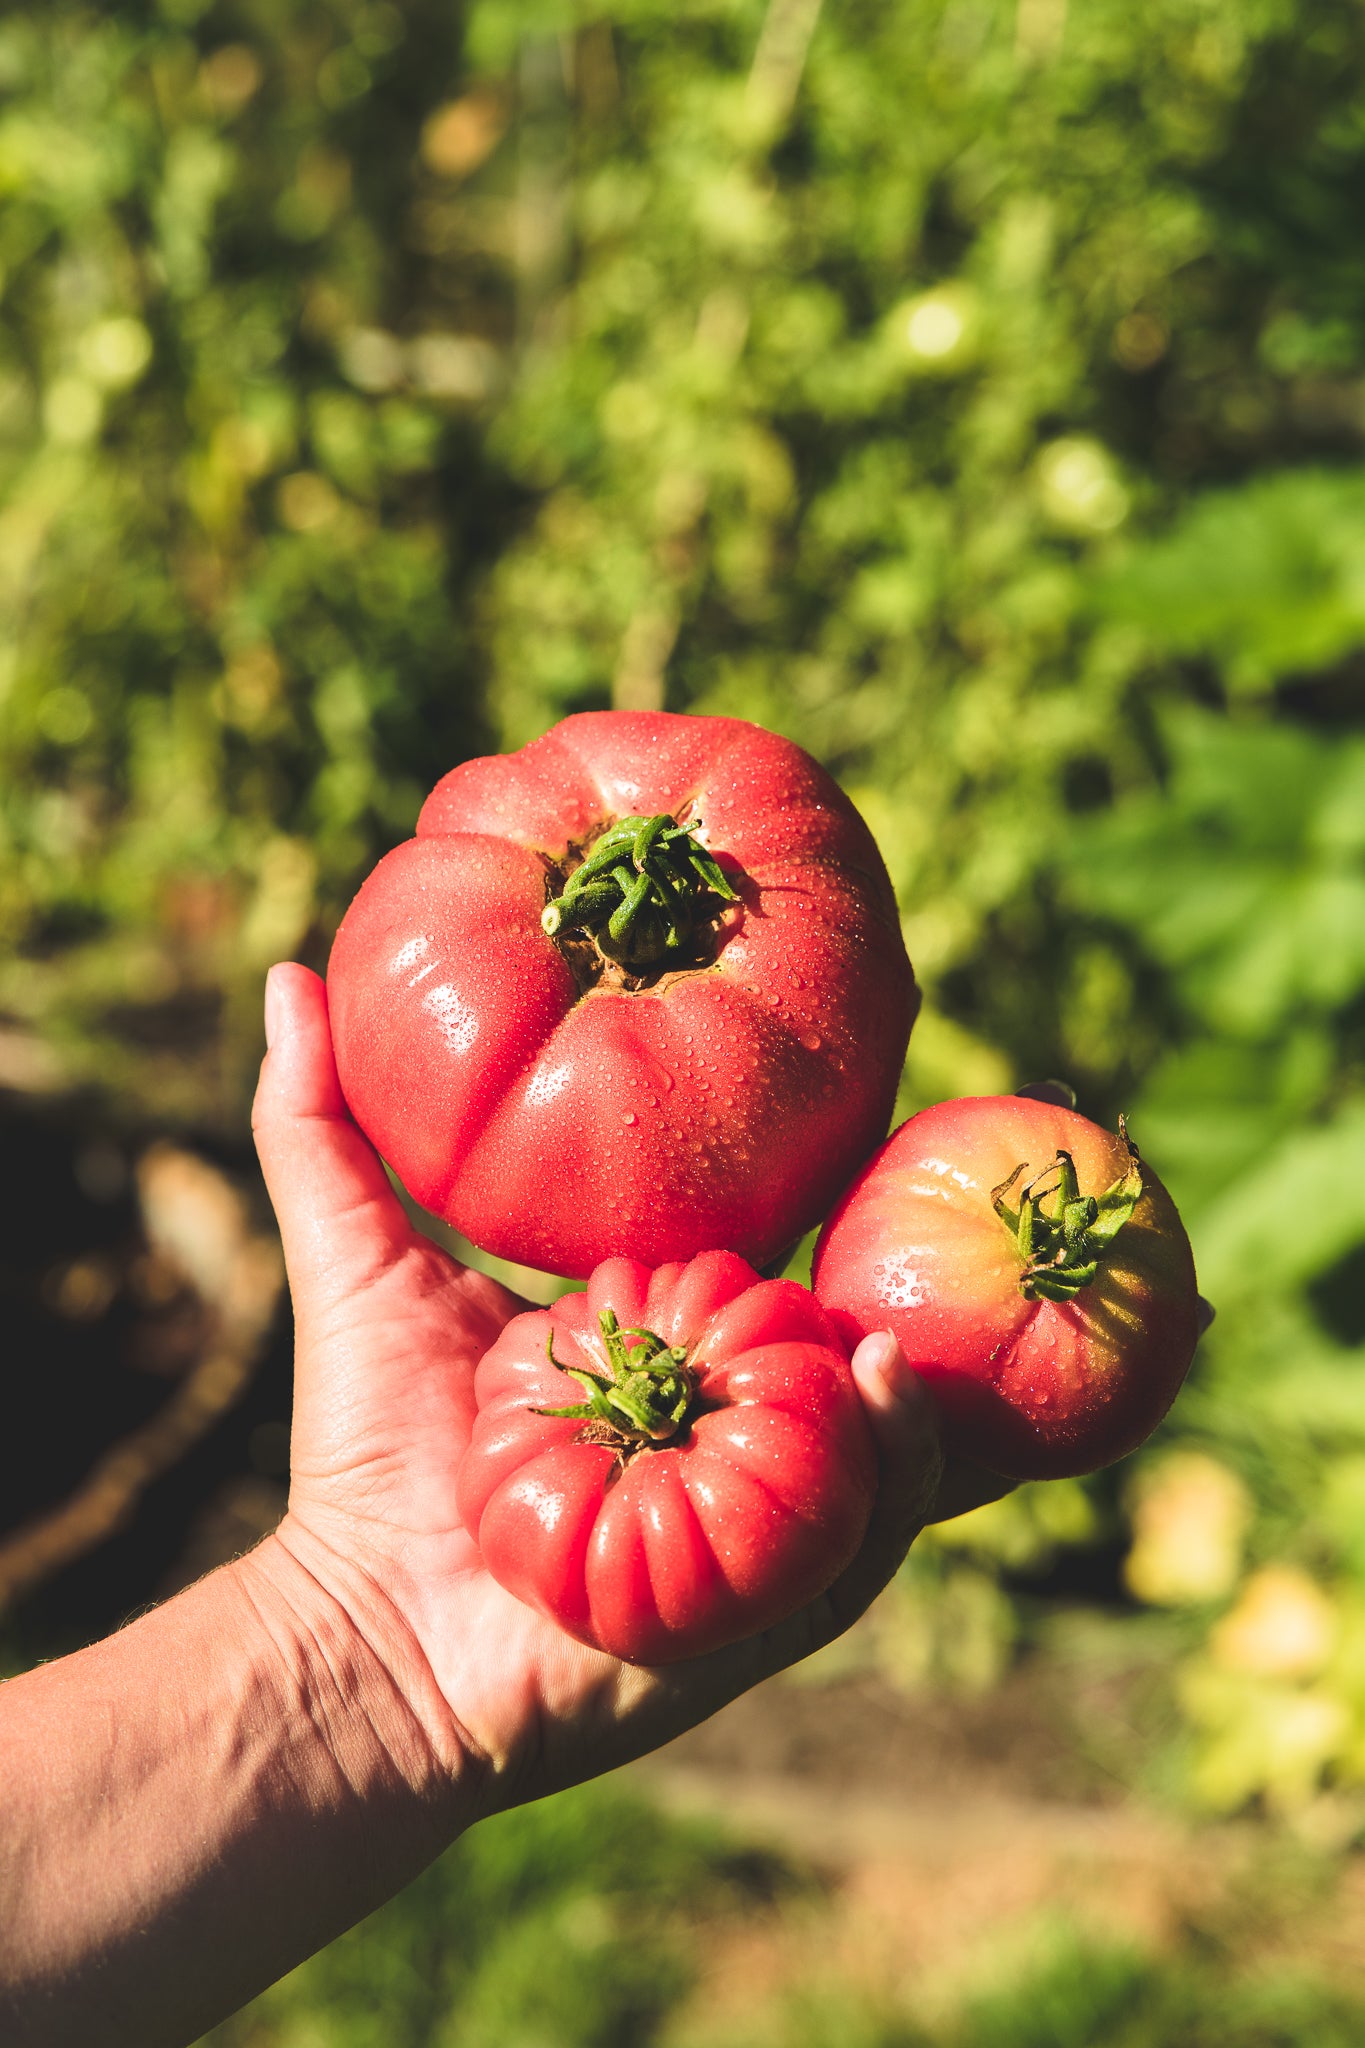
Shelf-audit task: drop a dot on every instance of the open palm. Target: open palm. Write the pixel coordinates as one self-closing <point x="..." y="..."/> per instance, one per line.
<point x="389" y="1330"/>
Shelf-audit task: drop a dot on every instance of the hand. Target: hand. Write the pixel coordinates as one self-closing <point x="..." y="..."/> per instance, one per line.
<point x="196" y="1803"/>
<point x="388" y="1332"/>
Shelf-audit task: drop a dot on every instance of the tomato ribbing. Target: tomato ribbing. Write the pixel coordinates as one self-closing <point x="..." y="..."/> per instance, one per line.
<point x="718" y="1476"/>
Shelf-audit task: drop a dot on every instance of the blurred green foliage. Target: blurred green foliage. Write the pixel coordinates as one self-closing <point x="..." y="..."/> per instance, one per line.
<point x="973" y="390"/>
<point x="1067" y="1991"/>
<point x="236" y="540"/>
<point x="572" y="1922"/>
<point x="581" y="1923"/>
<point x="1085" y="1995"/>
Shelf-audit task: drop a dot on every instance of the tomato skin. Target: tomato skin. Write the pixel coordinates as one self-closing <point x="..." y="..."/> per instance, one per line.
<point x="748" y="1516"/>
<point x="1030" y="1389"/>
<point x="725" y="1104"/>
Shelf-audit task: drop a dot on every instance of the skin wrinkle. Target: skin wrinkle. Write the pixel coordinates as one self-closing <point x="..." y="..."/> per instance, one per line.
<point x="465" y="1746"/>
<point x="303" y="1695"/>
<point x="316" y="1707"/>
<point x="335" y="1260"/>
<point x="371" y="1476"/>
<point x="329" y="1711"/>
<point x="307" y="1700"/>
<point x="369" y="1297"/>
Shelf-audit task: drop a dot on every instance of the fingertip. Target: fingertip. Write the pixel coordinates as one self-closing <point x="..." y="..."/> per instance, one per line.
<point x="904" y="1420"/>
<point x="276" y="1006"/>
<point x="298" y="1074"/>
<point x="291" y="992"/>
<point x="320" y="1170"/>
<point x="888" y="1383"/>
<point x="874" y="1353"/>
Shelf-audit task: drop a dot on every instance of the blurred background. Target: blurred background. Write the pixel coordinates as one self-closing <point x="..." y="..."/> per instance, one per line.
<point x="973" y="390"/>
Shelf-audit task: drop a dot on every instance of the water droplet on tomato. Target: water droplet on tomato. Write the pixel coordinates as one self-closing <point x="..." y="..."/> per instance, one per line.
<point x="629" y="1117"/>
<point x="812" y="1041"/>
<point x="898" y="1284"/>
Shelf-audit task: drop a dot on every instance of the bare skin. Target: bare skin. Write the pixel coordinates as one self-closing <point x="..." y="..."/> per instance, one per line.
<point x="193" y="1806"/>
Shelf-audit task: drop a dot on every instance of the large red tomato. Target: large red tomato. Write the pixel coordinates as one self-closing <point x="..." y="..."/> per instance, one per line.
<point x="1035" y="1272"/>
<point x="641" y="984"/>
<point x="713" y="1473"/>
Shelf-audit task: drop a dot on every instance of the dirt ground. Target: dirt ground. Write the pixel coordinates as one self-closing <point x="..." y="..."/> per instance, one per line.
<point x="946" y="1831"/>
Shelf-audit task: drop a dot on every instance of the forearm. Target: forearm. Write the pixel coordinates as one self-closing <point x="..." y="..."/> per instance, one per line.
<point x="196" y="1804"/>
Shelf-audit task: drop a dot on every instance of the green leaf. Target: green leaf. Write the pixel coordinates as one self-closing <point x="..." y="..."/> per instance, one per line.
<point x="1293" y="1214"/>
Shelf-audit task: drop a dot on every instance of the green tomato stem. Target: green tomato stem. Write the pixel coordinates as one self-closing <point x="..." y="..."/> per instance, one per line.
<point x="644" y="1401"/>
<point x="1062" y="1248"/>
<point x="644" y="887"/>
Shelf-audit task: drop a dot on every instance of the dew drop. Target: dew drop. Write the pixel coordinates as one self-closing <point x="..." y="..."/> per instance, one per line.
<point x="898" y="1284"/>
<point x="628" y="1117"/>
<point x="812" y="1041"/>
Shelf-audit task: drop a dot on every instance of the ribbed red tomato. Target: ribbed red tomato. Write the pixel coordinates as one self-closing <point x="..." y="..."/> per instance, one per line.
<point x="715" y="1473"/>
<point x="641" y="984"/>
<point x="1035" y="1272"/>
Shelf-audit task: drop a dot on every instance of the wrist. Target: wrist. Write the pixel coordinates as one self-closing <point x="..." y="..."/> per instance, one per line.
<point x="349" y="1665"/>
<point x="196" y="1803"/>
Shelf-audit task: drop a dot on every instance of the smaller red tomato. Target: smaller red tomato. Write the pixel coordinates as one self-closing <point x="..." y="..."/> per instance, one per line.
<point x="1035" y="1272"/>
<point x="670" y="1461"/>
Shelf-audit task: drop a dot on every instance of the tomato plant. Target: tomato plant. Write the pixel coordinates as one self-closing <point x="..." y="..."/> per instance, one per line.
<point x="670" y="1461"/>
<point x="1035" y="1272"/>
<point x="641" y="984"/>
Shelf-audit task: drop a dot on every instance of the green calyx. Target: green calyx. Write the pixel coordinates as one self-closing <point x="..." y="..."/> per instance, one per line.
<point x="1063" y="1245"/>
<point x="645" y="1401"/>
<point x="643" y="889"/>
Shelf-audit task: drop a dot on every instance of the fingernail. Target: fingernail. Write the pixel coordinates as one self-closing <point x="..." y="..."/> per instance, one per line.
<point x="274" y="1009"/>
<point x="877" y="1350"/>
